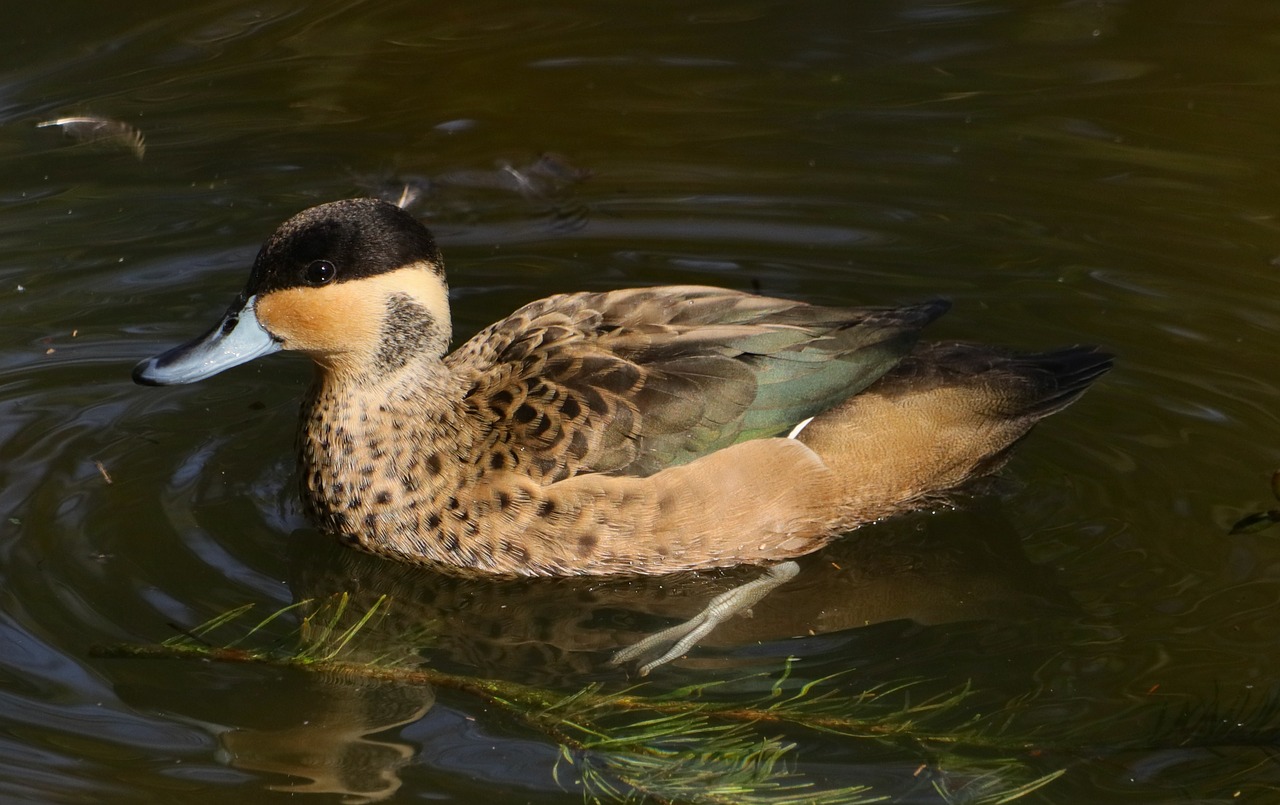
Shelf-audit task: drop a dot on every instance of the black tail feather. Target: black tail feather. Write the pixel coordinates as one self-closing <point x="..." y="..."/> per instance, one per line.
<point x="1033" y="385"/>
<point x="1059" y="377"/>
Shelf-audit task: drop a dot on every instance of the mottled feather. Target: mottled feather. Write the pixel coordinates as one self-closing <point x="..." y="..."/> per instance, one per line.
<point x="630" y="382"/>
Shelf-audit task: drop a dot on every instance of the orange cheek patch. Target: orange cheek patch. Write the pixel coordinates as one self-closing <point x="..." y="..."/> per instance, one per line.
<point x="319" y="321"/>
<point x="339" y="325"/>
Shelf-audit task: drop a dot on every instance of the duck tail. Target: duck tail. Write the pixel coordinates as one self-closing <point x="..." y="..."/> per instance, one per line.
<point x="1021" y="385"/>
<point x="948" y="413"/>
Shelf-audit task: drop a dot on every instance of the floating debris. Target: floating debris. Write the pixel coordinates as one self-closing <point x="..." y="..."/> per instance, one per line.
<point x="403" y="190"/>
<point x="546" y="174"/>
<point x="539" y="179"/>
<point x="556" y="167"/>
<point x="102" y="470"/>
<point x="410" y="193"/>
<point x="1259" y="521"/>
<point x="455" y="126"/>
<point x="92" y="130"/>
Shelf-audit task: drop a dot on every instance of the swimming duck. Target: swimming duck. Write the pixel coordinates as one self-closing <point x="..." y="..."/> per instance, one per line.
<point x="639" y="431"/>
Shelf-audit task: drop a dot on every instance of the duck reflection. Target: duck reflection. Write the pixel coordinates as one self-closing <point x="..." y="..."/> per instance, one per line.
<point x="555" y="631"/>
<point x="930" y="570"/>
<point x="332" y="747"/>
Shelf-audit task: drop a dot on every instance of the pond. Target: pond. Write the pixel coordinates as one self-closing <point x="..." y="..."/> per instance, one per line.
<point x="1086" y="629"/>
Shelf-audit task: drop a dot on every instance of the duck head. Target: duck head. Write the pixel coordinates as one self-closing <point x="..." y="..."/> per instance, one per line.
<point x="358" y="285"/>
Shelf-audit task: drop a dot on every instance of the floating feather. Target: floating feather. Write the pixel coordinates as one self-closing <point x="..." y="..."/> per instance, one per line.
<point x="100" y="131"/>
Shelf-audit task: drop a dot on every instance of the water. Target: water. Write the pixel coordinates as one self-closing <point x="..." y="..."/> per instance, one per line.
<point x="1071" y="172"/>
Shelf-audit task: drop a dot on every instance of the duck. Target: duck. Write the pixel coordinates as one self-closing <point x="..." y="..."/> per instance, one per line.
<point x="641" y="431"/>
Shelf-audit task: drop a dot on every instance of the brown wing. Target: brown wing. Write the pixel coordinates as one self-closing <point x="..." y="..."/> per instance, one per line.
<point x="629" y="382"/>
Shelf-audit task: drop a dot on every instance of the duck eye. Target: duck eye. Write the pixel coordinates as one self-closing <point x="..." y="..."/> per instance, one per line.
<point x="320" y="272"/>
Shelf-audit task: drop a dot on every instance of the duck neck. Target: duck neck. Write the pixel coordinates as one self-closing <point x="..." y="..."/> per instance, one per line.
<point x="365" y="441"/>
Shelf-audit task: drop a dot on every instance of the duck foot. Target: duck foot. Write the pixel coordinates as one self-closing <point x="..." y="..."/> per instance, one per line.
<point x="722" y="607"/>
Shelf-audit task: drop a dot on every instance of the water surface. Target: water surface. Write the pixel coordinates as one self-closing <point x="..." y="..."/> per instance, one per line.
<point x="1069" y="172"/>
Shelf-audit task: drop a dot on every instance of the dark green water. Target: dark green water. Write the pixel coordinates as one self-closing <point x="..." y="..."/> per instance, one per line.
<point x="1065" y="172"/>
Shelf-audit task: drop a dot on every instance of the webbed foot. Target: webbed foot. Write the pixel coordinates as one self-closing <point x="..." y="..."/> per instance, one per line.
<point x="685" y="636"/>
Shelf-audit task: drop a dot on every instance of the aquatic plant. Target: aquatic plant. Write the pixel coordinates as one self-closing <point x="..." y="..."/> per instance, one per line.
<point x="709" y="742"/>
